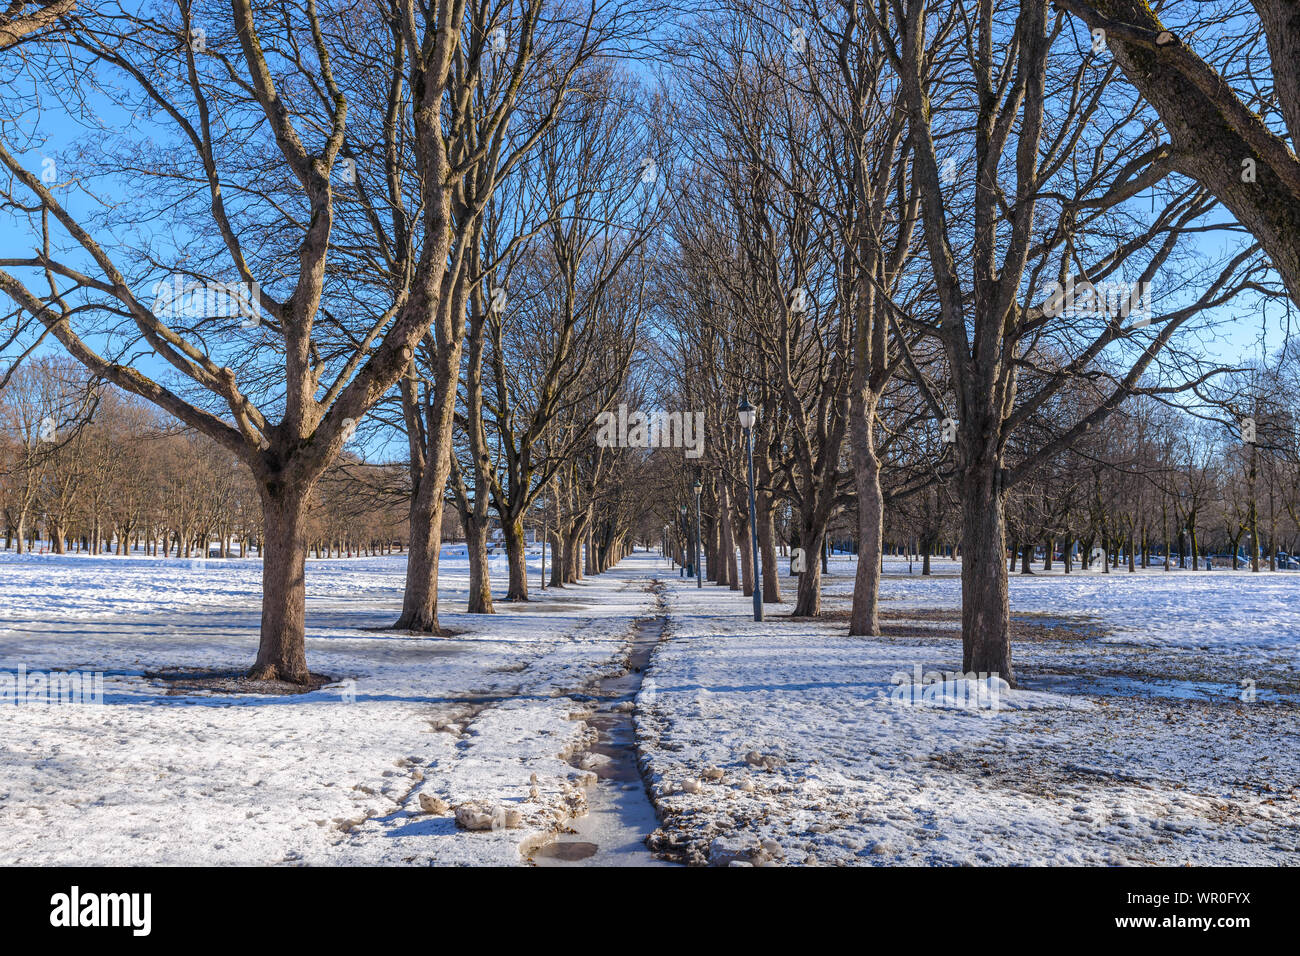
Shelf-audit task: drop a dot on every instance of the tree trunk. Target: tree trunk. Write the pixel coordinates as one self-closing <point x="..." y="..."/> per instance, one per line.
<point x="420" y="598"/>
<point x="572" y="552"/>
<point x="420" y="601"/>
<point x="726" y="555"/>
<point x="558" y="557"/>
<point x="746" y="556"/>
<point x="767" y="551"/>
<point x="512" y="529"/>
<point x="573" y="555"/>
<point x="809" y="600"/>
<point x="986" y="607"/>
<point x="865" y="617"/>
<point x="281" y="653"/>
<point x="480" y="586"/>
<point x="712" y="565"/>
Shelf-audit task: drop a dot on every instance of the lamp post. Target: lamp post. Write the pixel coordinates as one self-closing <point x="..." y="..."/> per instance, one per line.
<point x="745" y="412"/>
<point x="667" y="554"/>
<point x="699" y="553"/>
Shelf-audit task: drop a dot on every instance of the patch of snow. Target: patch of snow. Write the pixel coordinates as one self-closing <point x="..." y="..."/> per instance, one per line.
<point x="369" y="770"/>
<point x="819" y="759"/>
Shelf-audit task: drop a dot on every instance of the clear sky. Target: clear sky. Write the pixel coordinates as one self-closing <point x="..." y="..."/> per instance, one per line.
<point x="1245" y="330"/>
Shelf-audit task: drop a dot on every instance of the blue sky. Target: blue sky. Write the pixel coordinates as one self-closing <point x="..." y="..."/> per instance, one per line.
<point x="1244" y="331"/>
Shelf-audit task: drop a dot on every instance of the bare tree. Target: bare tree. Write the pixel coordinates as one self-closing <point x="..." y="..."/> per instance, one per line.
<point x="1236" y="142"/>
<point x="1034" y="114"/>
<point x="22" y="18"/>
<point x="199" y="86"/>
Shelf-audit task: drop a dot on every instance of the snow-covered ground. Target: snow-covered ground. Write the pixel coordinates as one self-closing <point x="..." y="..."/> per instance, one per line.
<point x="1127" y="741"/>
<point x="334" y="776"/>
<point x="1131" y="742"/>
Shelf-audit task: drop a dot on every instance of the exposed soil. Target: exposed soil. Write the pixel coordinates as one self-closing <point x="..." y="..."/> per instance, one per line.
<point x="442" y="632"/>
<point x="544" y="606"/>
<point x="214" y="680"/>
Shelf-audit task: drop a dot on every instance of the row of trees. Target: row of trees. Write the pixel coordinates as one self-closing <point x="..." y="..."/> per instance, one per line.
<point x="111" y="475"/>
<point x="1160" y="486"/>
<point x="320" y="210"/>
<point x="939" y="244"/>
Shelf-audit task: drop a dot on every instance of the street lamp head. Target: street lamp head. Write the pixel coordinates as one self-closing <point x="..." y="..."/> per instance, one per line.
<point x="698" y="487"/>
<point x="746" y="413"/>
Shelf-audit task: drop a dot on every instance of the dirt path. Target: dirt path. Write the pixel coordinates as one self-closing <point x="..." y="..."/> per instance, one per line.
<point x="620" y="815"/>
